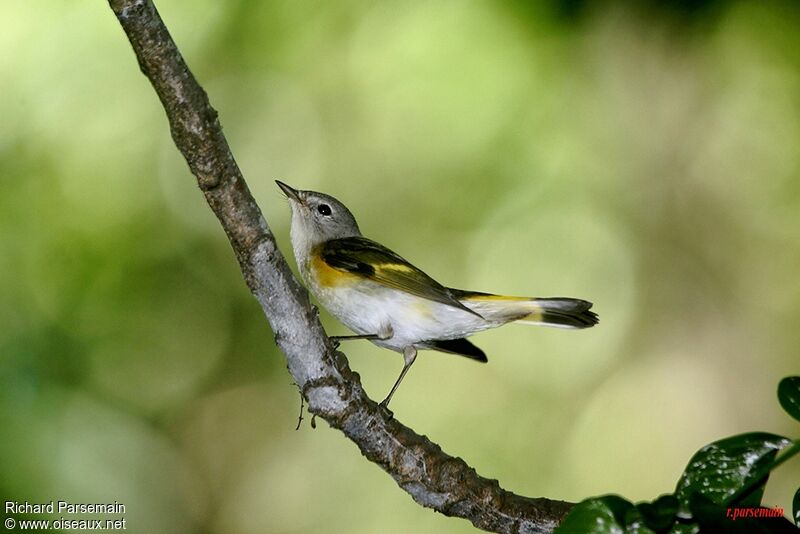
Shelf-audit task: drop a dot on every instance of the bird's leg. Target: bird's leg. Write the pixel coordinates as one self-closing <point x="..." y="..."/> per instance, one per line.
<point x="338" y="339"/>
<point x="385" y="333"/>
<point x="409" y="355"/>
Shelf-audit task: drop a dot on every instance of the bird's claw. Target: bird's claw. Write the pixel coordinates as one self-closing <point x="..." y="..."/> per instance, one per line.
<point x="384" y="406"/>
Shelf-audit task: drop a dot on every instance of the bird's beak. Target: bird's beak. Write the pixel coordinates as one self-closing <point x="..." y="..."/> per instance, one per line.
<point x="291" y="193"/>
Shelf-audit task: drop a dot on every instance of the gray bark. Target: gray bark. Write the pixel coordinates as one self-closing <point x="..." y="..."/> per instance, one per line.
<point x="432" y="478"/>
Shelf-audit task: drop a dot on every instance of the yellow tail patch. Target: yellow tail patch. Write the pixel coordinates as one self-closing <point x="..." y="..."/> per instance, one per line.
<point x="561" y="312"/>
<point x="535" y="317"/>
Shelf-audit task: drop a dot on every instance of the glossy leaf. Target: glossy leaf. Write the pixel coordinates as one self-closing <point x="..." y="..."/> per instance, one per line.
<point x="796" y="508"/>
<point x="635" y="523"/>
<point x="711" y="517"/>
<point x="789" y="395"/>
<point x="703" y="509"/>
<point x="599" y="515"/>
<point x="660" y="514"/>
<point x="720" y="469"/>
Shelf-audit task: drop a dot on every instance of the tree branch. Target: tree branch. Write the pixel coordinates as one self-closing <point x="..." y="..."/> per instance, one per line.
<point x="419" y="466"/>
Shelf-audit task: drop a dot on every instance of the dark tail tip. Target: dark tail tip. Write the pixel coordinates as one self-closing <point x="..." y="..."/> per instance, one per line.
<point x="567" y="312"/>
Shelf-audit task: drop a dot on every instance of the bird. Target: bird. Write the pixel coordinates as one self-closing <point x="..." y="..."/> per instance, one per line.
<point x="385" y="299"/>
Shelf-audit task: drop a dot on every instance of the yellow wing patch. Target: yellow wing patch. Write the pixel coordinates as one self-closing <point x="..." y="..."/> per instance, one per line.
<point x="392" y="267"/>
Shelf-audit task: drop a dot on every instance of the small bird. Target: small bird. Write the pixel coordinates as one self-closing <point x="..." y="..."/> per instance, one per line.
<point x="383" y="298"/>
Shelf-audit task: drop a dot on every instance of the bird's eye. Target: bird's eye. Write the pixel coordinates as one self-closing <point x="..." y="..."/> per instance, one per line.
<point x="324" y="209"/>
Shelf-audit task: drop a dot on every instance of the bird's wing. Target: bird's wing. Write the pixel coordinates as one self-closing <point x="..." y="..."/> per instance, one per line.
<point x="371" y="260"/>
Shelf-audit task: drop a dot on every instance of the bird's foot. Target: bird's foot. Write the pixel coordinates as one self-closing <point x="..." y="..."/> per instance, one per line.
<point x="384" y="407"/>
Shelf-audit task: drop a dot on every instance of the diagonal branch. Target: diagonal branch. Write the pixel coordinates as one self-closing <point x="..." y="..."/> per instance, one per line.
<point x="433" y="478"/>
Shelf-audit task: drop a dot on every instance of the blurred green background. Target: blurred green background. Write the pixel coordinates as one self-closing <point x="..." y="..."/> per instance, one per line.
<point x="639" y="155"/>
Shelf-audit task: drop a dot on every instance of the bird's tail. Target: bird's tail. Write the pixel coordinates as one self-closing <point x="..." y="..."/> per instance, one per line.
<point x="561" y="312"/>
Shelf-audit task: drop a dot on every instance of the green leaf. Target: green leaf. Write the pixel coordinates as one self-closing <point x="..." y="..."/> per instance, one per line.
<point x="712" y="517"/>
<point x="598" y="515"/>
<point x="635" y="523"/>
<point x="721" y="468"/>
<point x="660" y="514"/>
<point x="789" y="395"/>
<point x="796" y="508"/>
<point x="703" y="509"/>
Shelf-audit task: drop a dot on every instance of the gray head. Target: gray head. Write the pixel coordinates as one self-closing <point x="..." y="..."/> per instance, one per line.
<point x="316" y="218"/>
